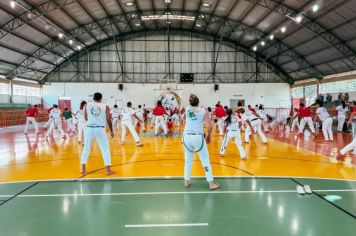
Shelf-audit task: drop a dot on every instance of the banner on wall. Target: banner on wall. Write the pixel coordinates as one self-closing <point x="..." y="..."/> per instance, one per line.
<point x="170" y="99"/>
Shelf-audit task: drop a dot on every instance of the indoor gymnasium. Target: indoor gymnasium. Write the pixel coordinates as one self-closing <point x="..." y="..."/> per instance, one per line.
<point x="177" y="117"/>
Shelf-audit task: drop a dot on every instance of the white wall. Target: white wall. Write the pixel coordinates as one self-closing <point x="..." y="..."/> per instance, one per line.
<point x="276" y="95"/>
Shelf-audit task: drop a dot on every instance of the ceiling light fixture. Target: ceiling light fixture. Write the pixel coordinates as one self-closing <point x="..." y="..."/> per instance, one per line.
<point x="198" y="25"/>
<point x="299" y="19"/>
<point x="315" y="7"/>
<point x="206" y="4"/>
<point x="79" y="47"/>
<point x="12" y="4"/>
<point x="71" y="42"/>
<point x="138" y="24"/>
<point x="271" y="37"/>
<point x="60" y="35"/>
<point x="254" y="48"/>
<point x="283" y="29"/>
<point x="263" y="43"/>
<point x="167" y="1"/>
<point x="129" y="4"/>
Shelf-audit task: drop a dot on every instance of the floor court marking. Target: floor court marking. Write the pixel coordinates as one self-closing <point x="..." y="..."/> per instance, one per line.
<point x="170" y="193"/>
<point x="167" y="225"/>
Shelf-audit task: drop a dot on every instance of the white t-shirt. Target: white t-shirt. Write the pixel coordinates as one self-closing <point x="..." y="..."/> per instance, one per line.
<point x="342" y="111"/>
<point x="139" y="112"/>
<point x="80" y="115"/>
<point x="96" y="114"/>
<point x="127" y="114"/>
<point x="322" y="113"/>
<point x="234" y="125"/>
<point x="249" y="116"/>
<point x="262" y="114"/>
<point x="115" y="113"/>
<point x="195" y="117"/>
<point x="55" y="113"/>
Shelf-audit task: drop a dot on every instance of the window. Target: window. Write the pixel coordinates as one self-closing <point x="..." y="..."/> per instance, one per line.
<point x="298" y="92"/>
<point x="4" y="88"/>
<point x="26" y="91"/>
<point x="338" y="86"/>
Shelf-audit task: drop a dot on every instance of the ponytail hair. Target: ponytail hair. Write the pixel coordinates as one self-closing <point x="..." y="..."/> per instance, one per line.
<point x="82" y="104"/>
<point x="343" y="104"/>
<point x="228" y="118"/>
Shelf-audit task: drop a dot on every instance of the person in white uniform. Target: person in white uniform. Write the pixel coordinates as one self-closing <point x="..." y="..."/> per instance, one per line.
<point x="327" y="121"/>
<point x="115" y="113"/>
<point x="56" y="116"/>
<point x="127" y="115"/>
<point x="81" y="121"/>
<point x="351" y="146"/>
<point x="253" y="123"/>
<point x="295" y="120"/>
<point x="341" y="115"/>
<point x="232" y="124"/>
<point x="193" y="141"/>
<point x="140" y="120"/>
<point x="97" y="115"/>
<point x="46" y="126"/>
<point x="243" y="126"/>
<point x="263" y="115"/>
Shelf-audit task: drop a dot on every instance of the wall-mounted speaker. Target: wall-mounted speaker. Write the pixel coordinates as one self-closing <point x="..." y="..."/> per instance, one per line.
<point x="121" y="87"/>
<point x="186" y="77"/>
<point x="216" y="87"/>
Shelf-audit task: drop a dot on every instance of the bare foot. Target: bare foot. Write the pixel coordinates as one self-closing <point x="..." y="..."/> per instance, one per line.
<point x="110" y="172"/>
<point x="82" y="170"/>
<point x="213" y="186"/>
<point x="186" y="183"/>
<point x="139" y="144"/>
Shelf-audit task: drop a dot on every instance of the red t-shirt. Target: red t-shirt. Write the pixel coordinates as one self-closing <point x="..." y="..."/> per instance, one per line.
<point x="354" y="109"/>
<point x="220" y="112"/>
<point x="304" y="112"/>
<point x="159" y="111"/>
<point x="252" y="110"/>
<point x="31" y="112"/>
<point x="170" y="125"/>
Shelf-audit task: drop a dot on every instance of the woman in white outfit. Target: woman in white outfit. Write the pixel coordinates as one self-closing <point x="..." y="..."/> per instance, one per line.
<point x="56" y="116"/>
<point x="327" y="121"/>
<point x="81" y="121"/>
<point x="127" y="115"/>
<point x="341" y="115"/>
<point x="115" y="113"/>
<point x="194" y="141"/>
<point x="233" y="132"/>
<point x="295" y="120"/>
<point x="263" y="115"/>
<point x="140" y="113"/>
<point x="253" y="123"/>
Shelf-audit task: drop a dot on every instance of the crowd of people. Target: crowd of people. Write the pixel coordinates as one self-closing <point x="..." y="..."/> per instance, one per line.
<point x="92" y="119"/>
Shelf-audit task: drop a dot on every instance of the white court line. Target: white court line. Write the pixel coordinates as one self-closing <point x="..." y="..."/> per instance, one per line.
<point x="170" y="193"/>
<point x="167" y="225"/>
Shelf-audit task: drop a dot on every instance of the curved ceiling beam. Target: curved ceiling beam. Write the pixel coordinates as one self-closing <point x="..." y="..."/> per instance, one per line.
<point x="230" y="27"/>
<point x="311" y="24"/>
<point x="179" y="31"/>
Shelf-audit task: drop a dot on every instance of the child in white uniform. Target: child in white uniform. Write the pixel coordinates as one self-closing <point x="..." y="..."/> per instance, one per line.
<point x="324" y="117"/>
<point x="341" y="115"/>
<point x="139" y="113"/>
<point x="56" y="116"/>
<point x="97" y="115"/>
<point x="81" y="121"/>
<point x="115" y="113"/>
<point x="193" y="141"/>
<point x="127" y="122"/>
<point x="233" y="131"/>
<point x="261" y="112"/>
<point x="295" y="122"/>
<point x="253" y="123"/>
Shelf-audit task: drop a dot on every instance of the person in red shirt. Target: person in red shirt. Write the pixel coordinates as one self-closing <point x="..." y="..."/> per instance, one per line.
<point x="220" y="113"/>
<point x="31" y="113"/>
<point x="170" y="126"/>
<point x="159" y="113"/>
<point x="354" y="107"/>
<point x="305" y="118"/>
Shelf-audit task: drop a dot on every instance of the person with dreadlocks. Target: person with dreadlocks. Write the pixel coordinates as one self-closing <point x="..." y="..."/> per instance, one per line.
<point x="194" y="141"/>
<point x="232" y="124"/>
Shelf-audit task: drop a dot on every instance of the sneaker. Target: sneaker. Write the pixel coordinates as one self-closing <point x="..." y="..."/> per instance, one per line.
<point x="300" y="189"/>
<point x="139" y="144"/>
<point x="307" y="189"/>
<point x="244" y="158"/>
<point x="123" y="142"/>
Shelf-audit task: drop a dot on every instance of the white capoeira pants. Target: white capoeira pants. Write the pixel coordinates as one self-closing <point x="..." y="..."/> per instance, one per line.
<point x="70" y="125"/>
<point x="340" y="122"/>
<point x="100" y="135"/>
<point x="196" y="143"/>
<point x="295" y="124"/>
<point x="233" y="134"/>
<point x="142" y="123"/>
<point x="81" y="130"/>
<point x="175" y="119"/>
<point x="56" y="123"/>
<point x="303" y="122"/>
<point x="327" y="129"/>
<point x="33" y="121"/>
<point x="153" y="121"/>
<point x="48" y="123"/>
<point x="351" y="146"/>
<point x="265" y="125"/>
<point x="160" y="123"/>
<point x="129" y="125"/>
<point x="256" y="125"/>
<point x="115" y="124"/>
<point x="220" y="125"/>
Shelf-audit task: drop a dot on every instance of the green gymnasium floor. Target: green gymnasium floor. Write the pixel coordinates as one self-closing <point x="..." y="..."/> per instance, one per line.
<point x="243" y="206"/>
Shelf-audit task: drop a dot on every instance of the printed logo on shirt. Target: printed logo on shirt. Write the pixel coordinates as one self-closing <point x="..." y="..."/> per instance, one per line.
<point x="192" y="115"/>
<point x="95" y="111"/>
